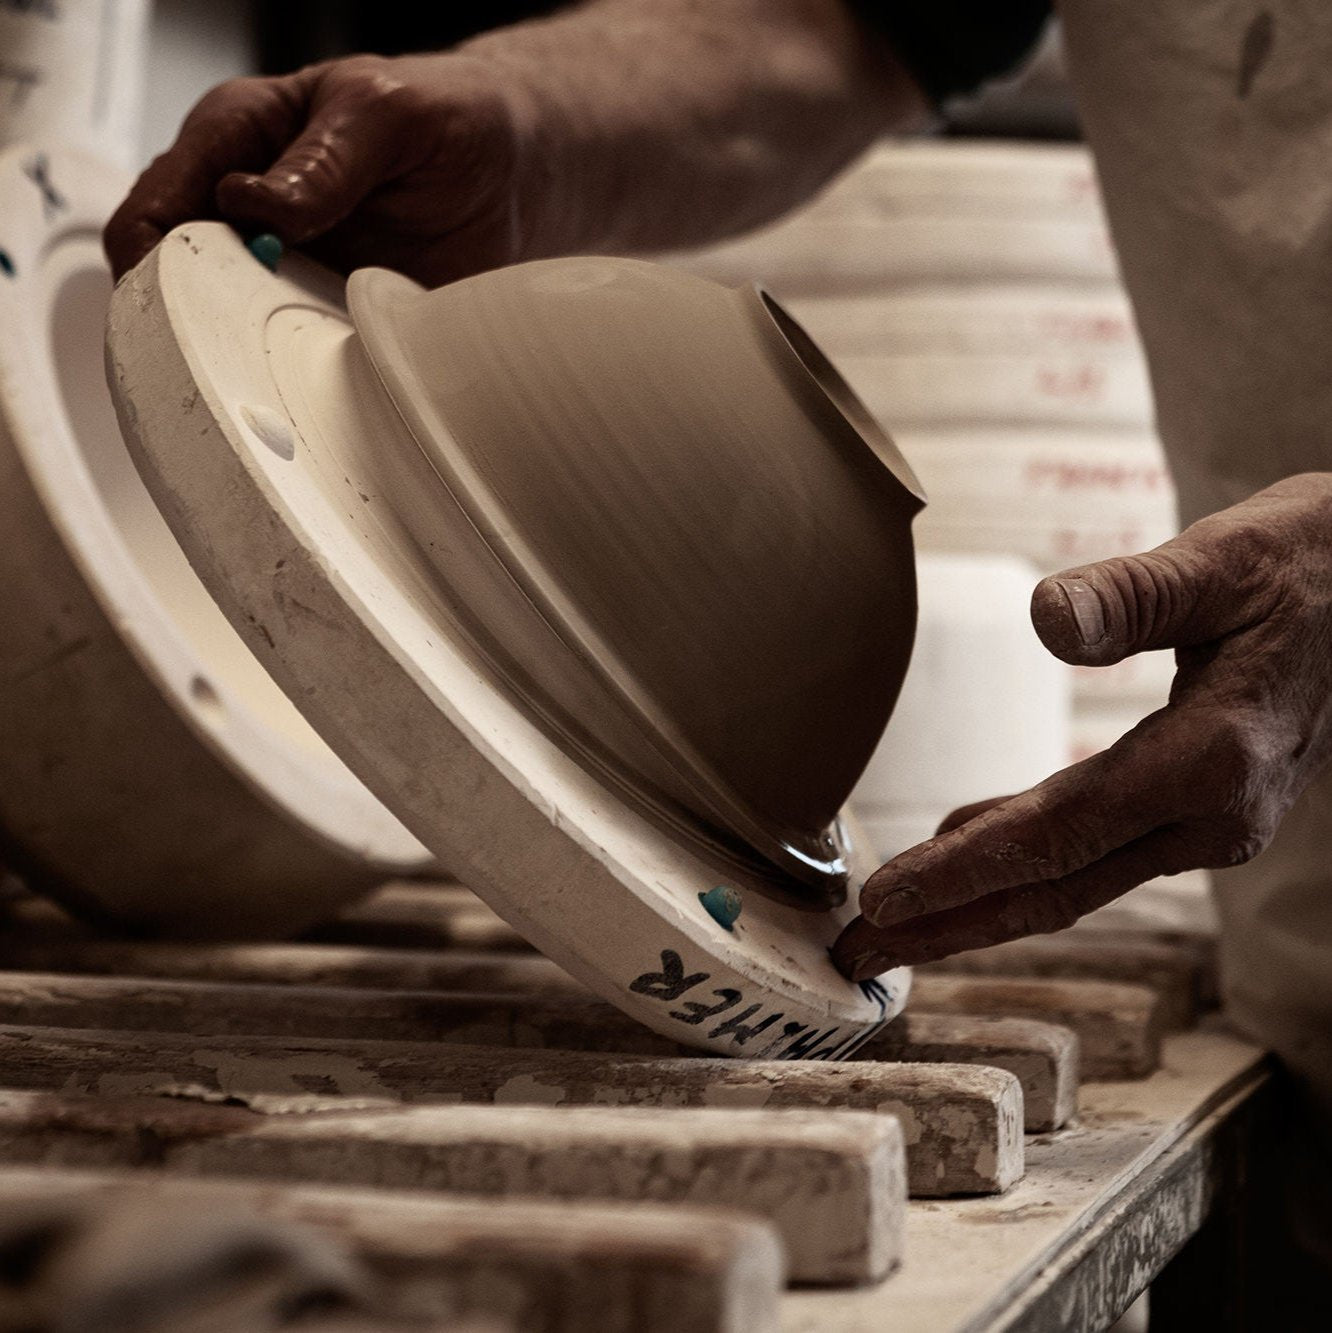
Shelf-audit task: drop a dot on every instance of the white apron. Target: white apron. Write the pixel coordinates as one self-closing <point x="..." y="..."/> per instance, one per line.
<point x="1211" y="121"/>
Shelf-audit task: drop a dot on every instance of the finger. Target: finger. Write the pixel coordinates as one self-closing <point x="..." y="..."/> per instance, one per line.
<point x="1069" y="821"/>
<point x="354" y="141"/>
<point x="964" y="814"/>
<point x="238" y="125"/>
<point x="1189" y="591"/>
<point x="865" y="950"/>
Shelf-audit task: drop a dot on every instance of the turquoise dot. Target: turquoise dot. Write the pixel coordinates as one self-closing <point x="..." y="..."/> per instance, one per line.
<point x="267" y="249"/>
<point x="722" y="904"/>
<point x="7" y="265"/>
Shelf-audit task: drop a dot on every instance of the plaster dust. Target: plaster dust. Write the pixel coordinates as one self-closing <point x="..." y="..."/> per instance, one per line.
<point x="833" y="1187"/>
<point x="556" y="1015"/>
<point x="953" y="1110"/>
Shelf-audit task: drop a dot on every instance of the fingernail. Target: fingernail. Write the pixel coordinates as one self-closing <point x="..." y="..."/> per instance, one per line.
<point x="1088" y="613"/>
<point x="857" y="954"/>
<point x="897" y="905"/>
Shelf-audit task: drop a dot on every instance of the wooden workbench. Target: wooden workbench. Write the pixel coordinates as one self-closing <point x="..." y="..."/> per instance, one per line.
<point x="1104" y="1207"/>
<point x="1150" y="1184"/>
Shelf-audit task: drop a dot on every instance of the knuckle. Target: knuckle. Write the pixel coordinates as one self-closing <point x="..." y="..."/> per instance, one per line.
<point x="1151" y="594"/>
<point x="1052" y="850"/>
<point x="250" y="107"/>
<point x="1238" y="749"/>
<point x="358" y="84"/>
<point x="354" y="67"/>
<point x="1242" y="834"/>
<point x="243" y="86"/>
<point x="1242" y="849"/>
<point x="232" y="95"/>
<point x="1235" y="843"/>
<point x="1240" y="825"/>
<point x="398" y="100"/>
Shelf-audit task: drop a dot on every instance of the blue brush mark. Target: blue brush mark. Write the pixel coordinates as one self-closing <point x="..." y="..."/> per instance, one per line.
<point x="723" y="905"/>
<point x="267" y="249"/>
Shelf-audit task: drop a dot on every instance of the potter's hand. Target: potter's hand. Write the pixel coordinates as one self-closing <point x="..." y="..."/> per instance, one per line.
<point x="408" y="163"/>
<point x="574" y="134"/>
<point x="1245" y="597"/>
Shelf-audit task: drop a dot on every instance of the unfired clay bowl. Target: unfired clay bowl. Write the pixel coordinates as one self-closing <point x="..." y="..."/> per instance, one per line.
<point x="670" y="528"/>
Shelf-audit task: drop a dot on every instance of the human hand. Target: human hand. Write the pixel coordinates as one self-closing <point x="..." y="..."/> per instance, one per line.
<point x="410" y="163"/>
<point x="1245" y="599"/>
<point x="575" y="134"/>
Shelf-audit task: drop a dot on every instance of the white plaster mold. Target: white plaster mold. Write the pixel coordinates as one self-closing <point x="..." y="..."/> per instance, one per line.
<point x="320" y="560"/>
<point x="151" y="772"/>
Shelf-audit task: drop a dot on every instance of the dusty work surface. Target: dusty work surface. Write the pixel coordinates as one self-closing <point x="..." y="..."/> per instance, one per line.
<point x="1136" y="1160"/>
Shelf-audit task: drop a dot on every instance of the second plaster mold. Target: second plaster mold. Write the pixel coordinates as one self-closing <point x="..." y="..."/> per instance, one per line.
<point x="151" y="772"/>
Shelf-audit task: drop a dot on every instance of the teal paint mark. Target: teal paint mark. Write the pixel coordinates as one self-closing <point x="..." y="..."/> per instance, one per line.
<point x="722" y="904"/>
<point x="267" y="249"/>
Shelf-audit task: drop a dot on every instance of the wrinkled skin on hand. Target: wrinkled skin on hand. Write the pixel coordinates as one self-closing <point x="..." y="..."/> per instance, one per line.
<point x="1245" y="599"/>
<point x="611" y="127"/>
<point x="408" y="163"/>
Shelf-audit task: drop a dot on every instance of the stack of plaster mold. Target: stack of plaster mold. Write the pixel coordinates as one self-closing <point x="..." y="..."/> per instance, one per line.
<point x="151" y="773"/>
<point x="968" y="292"/>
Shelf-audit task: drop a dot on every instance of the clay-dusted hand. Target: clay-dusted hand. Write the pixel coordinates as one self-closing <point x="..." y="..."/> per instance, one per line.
<point x="568" y="135"/>
<point x="410" y="163"/>
<point x="1245" y="599"/>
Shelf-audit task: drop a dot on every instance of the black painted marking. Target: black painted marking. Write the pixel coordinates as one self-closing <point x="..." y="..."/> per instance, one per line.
<point x="7" y="265"/>
<point x="806" y="1046"/>
<point x="795" y="1040"/>
<point x="693" y="1012"/>
<point x="739" y="1030"/>
<point x="875" y="990"/>
<point x="670" y="983"/>
<point x="21" y="79"/>
<point x="38" y="171"/>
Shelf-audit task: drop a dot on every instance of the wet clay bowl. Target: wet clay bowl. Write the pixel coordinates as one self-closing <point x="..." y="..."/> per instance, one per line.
<point x="674" y="532"/>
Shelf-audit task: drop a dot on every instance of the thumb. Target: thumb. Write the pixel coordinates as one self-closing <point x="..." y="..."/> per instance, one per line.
<point x="1176" y="596"/>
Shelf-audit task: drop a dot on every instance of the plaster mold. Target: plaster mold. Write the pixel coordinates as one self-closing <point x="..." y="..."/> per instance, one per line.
<point x="547" y="557"/>
<point x="151" y="772"/>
